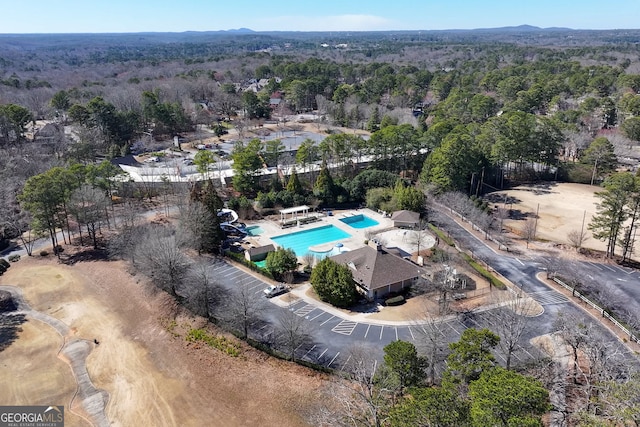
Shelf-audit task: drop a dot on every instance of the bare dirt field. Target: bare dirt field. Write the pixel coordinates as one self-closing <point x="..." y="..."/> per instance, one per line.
<point x="561" y="208"/>
<point x="153" y="377"/>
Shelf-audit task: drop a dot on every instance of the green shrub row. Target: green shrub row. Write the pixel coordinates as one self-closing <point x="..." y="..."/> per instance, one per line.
<point x="448" y="240"/>
<point x="250" y="264"/>
<point x="484" y="272"/>
<point x="221" y="343"/>
<point x="14" y="258"/>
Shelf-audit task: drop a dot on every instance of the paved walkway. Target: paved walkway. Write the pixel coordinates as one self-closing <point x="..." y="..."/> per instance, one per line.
<point x="90" y="400"/>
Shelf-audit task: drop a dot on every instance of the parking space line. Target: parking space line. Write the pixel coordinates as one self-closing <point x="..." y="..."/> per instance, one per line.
<point x="367" y="332"/>
<point x="381" y="329"/>
<point x="322" y="354"/>
<point x="594" y="265"/>
<point x="310" y="350"/>
<point x="256" y="283"/>
<point x="345" y="363"/>
<point x="608" y="267"/>
<point x="322" y="324"/>
<point x="621" y="269"/>
<point x="315" y="317"/>
<point x="396" y="328"/>
<point x="454" y="329"/>
<point x="334" y="358"/>
<point x="521" y="263"/>
<point x="411" y="332"/>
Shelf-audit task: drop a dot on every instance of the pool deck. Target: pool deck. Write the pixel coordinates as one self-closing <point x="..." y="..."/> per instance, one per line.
<point x="393" y="237"/>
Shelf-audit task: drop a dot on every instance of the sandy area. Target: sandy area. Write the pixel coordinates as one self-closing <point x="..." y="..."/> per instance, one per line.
<point x="153" y="377"/>
<point x="561" y="210"/>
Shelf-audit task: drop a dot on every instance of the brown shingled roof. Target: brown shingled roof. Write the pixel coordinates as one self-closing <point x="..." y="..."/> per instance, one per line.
<point x="406" y="216"/>
<point x="377" y="268"/>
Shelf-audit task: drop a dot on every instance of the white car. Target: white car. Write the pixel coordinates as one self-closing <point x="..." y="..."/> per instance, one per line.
<point x="274" y="290"/>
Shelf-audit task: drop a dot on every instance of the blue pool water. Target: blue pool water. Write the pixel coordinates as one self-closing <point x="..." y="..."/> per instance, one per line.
<point x="359" y="221"/>
<point x="261" y="264"/>
<point x="254" y="230"/>
<point x="300" y="241"/>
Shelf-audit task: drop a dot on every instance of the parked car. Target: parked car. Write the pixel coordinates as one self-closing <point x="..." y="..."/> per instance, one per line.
<point x="275" y="290"/>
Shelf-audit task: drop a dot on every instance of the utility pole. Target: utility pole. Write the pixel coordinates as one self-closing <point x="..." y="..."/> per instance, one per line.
<point x="595" y="167"/>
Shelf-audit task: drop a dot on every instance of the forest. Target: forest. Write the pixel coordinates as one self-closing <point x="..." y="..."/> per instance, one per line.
<point x="443" y="112"/>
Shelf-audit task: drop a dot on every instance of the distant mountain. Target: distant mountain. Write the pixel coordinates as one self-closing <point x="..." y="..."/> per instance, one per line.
<point x="241" y="31"/>
<point x="523" y="28"/>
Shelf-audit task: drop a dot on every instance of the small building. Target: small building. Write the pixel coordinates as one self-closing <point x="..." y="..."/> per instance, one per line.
<point x="275" y="99"/>
<point x="377" y="271"/>
<point x="259" y="253"/>
<point x="406" y="219"/>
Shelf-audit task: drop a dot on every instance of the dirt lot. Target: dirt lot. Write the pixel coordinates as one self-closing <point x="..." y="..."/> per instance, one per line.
<point x="561" y="210"/>
<point x="153" y="376"/>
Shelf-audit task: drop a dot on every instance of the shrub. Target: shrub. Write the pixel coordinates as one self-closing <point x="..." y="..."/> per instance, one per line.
<point x="14" y="258"/>
<point x="44" y="253"/>
<point x="252" y="265"/>
<point x="448" y="240"/>
<point x="221" y="343"/>
<point x="397" y="300"/>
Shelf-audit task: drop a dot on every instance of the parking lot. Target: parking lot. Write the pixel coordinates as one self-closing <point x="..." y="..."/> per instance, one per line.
<point x="334" y="335"/>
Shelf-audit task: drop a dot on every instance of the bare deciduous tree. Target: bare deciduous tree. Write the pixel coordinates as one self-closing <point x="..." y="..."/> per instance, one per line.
<point x="577" y="238"/>
<point x="242" y="308"/>
<point x="510" y="323"/>
<point x="529" y="230"/>
<point x="88" y="206"/>
<point x="293" y="331"/>
<point x="362" y="401"/>
<point x="432" y="343"/>
<point x="160" y="257"/>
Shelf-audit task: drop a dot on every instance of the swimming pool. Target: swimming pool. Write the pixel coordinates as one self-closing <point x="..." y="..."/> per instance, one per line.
<point x="261" y="264"/>
<point x="254" y="230"/>
<point x="359" y="221"/>
<point x="300" y="241"/>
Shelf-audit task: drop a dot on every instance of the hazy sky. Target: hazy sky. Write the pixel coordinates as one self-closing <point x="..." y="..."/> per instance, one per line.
<point x="97" y="16"/>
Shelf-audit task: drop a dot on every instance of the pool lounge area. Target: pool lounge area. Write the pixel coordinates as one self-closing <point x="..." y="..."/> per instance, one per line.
<point x="343" y="231"/>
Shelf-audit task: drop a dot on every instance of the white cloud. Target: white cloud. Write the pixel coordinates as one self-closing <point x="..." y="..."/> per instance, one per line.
<point x="326" y="23"/>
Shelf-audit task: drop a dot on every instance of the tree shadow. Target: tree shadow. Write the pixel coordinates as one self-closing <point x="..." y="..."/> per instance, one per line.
<point x="365" y="307"/>
<point x="518" y="215"/>
<point x="85" y="254"/>
<point x="9" y="322"/>
<point x="500" y="199"/>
